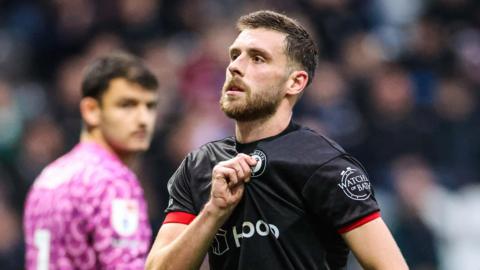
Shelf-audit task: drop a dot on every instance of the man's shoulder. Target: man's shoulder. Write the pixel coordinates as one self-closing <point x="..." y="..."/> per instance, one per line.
<point x="215" y="150"/>
<point x="58" y="172"/>
<point x="320" y="139"/>
<point x="226" y="143"/>
<point x="201" y="160"/>
<point x="308" y="142"/>
<point x="80" y="166"/>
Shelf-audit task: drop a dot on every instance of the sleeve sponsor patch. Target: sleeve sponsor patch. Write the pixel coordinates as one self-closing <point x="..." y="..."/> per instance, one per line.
<point x="125" y="216"/>
<point x="355" y="184"/>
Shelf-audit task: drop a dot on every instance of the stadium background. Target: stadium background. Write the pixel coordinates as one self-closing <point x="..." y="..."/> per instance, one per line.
<point x="398" y="86"/>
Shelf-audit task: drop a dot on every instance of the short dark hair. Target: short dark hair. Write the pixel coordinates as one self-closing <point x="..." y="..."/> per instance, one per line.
<point x="300" y="47"/>
<point x="112" y="66"/>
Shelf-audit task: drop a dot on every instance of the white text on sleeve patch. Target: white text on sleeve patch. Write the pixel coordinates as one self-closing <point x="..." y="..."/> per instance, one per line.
<point x="355" y="184"/>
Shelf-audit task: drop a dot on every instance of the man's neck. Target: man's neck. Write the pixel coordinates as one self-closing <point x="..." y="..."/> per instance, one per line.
<point x="246" y="132"/>
<point x="127" y="159"/>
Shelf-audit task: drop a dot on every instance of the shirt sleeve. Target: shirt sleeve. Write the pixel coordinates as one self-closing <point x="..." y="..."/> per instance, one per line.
<point x="340" y="192"/>
<point x="118" y="223"/>
<point x="180" y="200"/>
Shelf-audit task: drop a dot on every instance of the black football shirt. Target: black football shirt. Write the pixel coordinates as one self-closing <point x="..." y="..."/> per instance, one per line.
<point x="304" y="192"/>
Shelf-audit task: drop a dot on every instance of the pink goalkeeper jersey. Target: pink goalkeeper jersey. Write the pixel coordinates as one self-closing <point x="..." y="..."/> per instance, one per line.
<point x="86" y="210"/>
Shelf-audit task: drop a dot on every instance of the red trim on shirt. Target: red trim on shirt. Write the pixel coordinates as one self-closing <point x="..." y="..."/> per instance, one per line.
<point x="359" y="222"/>
<point x="179" y="217"/>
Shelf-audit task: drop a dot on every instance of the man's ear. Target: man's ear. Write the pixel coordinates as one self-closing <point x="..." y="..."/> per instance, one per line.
<point x="90" y="110"/>
<point x="297" y="81"/>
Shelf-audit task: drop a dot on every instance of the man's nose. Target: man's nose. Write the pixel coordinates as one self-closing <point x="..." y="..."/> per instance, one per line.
<point x="144" y="114"/>
<point x="236" y="66"/>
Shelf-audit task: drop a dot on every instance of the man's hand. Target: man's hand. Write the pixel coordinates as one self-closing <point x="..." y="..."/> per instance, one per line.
<point x="169" y="250"/>
<point x="228" y="180"/>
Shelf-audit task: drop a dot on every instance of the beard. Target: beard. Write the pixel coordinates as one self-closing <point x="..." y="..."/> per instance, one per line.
<point x="253" y="105"/>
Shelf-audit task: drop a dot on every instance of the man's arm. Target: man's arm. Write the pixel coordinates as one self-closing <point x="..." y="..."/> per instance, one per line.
<point x="374" y="247"/>
<point x="180" y="246"/>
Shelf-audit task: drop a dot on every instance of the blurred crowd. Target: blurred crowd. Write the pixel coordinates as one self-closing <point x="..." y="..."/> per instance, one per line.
<point x="398" y="86"/>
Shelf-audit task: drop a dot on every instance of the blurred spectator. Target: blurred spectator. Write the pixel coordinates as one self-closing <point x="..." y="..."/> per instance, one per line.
<point x="11" y="241"/>
<point x="427" y="57"/>
<point x="203" y="75"/>
<point x="451" y="215"/>
<point x="396" y="126"/>
<point x="165" y="61"/>
<point x="11" y="122"/>
<point x="414" y="237"/>
<point x="11" y="202"/>
<point x="467" y="48"/>
<point x="328" y="100"/>
<point x="15" y="56"/>
<point x="362" y="55"/>
<point x="42" y="143"/>
<point x="335" y="21"/>
<point x="456" y="147"/>
<point x="139" y="20"/>
<point x="102" y="44"/>
<point x="453" y="12"/>
<point x="74" y="20"/>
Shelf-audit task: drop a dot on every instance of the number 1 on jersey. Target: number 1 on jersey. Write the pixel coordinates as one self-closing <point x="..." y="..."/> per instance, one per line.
<point x="42" y="243"/>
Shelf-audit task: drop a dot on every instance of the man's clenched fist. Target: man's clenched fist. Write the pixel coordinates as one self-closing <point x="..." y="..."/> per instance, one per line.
<point x="228" y="179"/>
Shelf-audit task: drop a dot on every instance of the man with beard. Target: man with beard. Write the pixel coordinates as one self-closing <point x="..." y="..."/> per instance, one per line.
<point x="277" y="195"/>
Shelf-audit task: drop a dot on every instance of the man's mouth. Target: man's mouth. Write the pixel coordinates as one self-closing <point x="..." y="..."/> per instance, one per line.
<point x="235" y="89"/>
<point x="140" y="134"/>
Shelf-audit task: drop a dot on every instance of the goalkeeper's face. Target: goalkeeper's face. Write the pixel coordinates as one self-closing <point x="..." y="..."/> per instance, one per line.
<point x="127" y="115"/>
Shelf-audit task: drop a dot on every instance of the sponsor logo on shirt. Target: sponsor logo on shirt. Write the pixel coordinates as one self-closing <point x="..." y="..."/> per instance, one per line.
<point x="220" y="244"/>
<point x="125" y="216"/>
<point x="247" y="230"/>
<point x="261" y="159"/>
<point x="355" y="184"/>
<point x="126" y="243"/>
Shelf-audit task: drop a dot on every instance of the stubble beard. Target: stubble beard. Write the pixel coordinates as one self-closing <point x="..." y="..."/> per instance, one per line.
<point x="251" y="106"/>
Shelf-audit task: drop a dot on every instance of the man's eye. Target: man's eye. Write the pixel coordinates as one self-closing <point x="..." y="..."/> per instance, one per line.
<point x="152" y="106"/>
<point x="233" y="56"/>
<point x="258" y="59"/>
<point x="127" y="104"/>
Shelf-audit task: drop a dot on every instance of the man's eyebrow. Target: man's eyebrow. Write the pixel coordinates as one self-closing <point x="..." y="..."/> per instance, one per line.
<point x="253" y="50"/>
<point x="259" y="51"/>
<point x="126" y="99"/>
<point x="233" y="49"/>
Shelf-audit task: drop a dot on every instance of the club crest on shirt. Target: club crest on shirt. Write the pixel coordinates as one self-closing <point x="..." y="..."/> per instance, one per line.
<point x="125" y="216"/>
<point x="261" y="159"/>
<point x="355" y="184"/>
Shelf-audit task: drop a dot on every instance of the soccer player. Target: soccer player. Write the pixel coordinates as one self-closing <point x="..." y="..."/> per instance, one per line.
<point x="277" y="195"/>
<point x="86" y="210"/>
